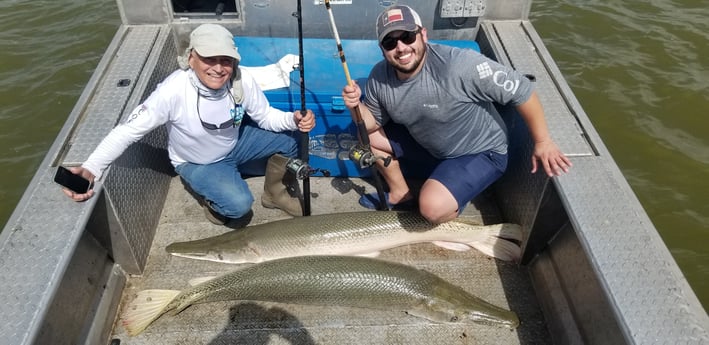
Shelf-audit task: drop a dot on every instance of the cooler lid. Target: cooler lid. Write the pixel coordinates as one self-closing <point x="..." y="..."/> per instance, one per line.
<point x="324" y="74"/>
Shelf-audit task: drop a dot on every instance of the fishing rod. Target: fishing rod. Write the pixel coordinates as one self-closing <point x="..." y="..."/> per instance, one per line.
<point x="300" y="166"/>
<point x="304" y="136"/>
<point x="361" y="153"/>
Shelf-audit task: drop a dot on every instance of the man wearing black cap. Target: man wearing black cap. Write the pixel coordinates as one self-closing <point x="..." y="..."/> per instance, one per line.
<point x="219" y="125"/>
<point x="430" y="106"/>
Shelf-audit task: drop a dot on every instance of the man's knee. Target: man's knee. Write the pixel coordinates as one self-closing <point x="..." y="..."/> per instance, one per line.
<point x="236" y="207"/>
<point x="436" y="203"/>
<point x="290" y="147"/>
<point x="438" y="213"/>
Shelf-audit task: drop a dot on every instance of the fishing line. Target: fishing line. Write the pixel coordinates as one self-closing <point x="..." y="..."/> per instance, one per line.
<point x="361" y="127"/>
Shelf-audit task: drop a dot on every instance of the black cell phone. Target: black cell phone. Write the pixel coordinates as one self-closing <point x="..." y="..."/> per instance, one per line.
<point x="72" y="181"/>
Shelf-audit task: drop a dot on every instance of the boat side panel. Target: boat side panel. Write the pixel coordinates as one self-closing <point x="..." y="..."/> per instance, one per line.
<point x="524" y="57"/>
<point x="609" y="250"/>
<point x="136" y="183"/>
<point x="144" y="11"/>
<point x="507" y="9"/>
<point x="110" y="97"/>
<point x="42" y="239"/>
<point x="641" y="281"/>
<point x="582" y="312"/>
<point x="519" y="192"/>
<point x="78" y="294"/>
<point x="274" y="18"/>
<point x="258" y="16"/>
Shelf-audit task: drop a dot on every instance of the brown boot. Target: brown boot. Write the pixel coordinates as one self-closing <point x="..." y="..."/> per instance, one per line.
<point x="280" y="187"/>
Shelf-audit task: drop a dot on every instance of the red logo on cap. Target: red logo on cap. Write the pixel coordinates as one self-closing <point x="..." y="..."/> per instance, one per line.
<point x="394" y="15"/>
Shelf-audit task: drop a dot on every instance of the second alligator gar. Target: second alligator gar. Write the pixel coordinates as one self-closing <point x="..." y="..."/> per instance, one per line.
<point x="347" y="281"/>
<point x="351" y="233"/>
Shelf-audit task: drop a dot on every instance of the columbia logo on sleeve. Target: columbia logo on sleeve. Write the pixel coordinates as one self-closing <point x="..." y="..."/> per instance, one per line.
<point x="500" y="78"/>
<point x="484" y="70"/>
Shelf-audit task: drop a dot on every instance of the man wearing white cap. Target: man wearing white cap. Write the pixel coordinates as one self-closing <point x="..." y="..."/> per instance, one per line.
<point x="220" y="126"/>
<point x="430" y="107"/>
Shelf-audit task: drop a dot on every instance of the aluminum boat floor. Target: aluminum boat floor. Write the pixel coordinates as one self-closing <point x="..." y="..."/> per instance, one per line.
<point x="247" y="322"/>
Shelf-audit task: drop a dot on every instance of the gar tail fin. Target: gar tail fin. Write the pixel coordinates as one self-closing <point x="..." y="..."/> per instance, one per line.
<point x="510" y="231"/>
<point x="146" y="308"/>
<point x="499" y="248"/>
<point x="500" y="241"/>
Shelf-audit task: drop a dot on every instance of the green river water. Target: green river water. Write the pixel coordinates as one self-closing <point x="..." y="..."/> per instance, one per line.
<point x="639" y="69"/>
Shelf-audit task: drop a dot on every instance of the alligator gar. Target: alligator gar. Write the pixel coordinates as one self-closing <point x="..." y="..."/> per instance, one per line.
<point x="348" y="281"/>
<point x="351" y="233"/>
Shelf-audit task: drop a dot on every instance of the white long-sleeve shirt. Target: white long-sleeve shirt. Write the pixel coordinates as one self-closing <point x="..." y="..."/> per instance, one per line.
<point x="174" y="103"/>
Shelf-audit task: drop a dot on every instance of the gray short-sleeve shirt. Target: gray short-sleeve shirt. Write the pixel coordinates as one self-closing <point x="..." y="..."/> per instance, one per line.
<point x="448" y="106"/>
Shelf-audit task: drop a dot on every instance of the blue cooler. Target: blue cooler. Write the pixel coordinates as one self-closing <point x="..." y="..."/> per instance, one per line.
<point x="334" y="132"/>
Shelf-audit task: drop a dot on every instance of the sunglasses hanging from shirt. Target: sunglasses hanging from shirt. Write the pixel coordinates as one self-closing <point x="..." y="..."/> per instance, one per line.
<point x="236" y="115"/>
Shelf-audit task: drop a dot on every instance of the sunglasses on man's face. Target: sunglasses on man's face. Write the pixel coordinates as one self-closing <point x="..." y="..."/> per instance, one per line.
<point x="407" y="37"/>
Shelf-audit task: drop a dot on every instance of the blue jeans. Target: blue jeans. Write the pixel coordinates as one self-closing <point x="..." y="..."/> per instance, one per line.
<point x="221" y="184"/>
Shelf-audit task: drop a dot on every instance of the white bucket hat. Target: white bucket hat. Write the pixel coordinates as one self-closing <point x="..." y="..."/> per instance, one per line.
<point x="210" y="40"/>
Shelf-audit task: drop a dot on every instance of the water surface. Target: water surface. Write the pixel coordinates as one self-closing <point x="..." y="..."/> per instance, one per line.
<point x="640" y="71"/>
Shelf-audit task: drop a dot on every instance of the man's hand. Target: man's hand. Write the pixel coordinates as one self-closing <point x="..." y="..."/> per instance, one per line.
<point x="305" y="123"/>
<point x="80" y="196"/>
<point x="553" y="160"/>
<point x="351" y="95"/>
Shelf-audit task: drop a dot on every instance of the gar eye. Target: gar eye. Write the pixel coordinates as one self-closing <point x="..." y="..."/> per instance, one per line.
<point x="454" y="319"/>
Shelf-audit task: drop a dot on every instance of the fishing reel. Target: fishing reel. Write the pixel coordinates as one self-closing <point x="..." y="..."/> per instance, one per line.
<point x="364" y="156"/>
<point x="303" y="170"/>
